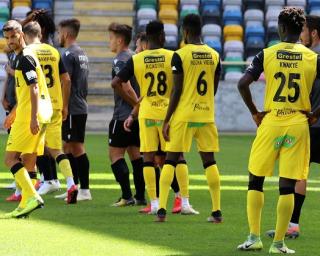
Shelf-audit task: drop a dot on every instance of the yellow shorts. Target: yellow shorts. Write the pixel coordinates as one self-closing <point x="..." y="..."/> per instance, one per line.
<point x="22" y="140"/>
<point x="289" y="144"/>
<point x="151" y="135"/>
<point x="53" y="137"/>
<point x="181" y="134"/>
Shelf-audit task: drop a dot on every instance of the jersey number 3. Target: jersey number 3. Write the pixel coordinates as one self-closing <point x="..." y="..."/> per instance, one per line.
<point x="161" y="87"/>
<point x="292" y="84"/>
<point x="47" y="70"/>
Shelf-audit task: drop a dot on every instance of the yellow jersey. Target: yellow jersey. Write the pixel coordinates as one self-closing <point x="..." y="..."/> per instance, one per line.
<point x="152" y="71"/>
<point x="199" y="65"/>
<point x="52" y="67"/>
<point x="28" y="71"/>
<point x="290" y="70"/>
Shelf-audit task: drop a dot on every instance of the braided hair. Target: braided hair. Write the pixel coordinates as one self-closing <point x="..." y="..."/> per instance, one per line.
<point x="293" y="19"/>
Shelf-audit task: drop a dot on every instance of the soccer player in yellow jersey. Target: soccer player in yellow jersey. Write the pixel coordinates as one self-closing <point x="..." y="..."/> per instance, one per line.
<point x="55" y="72"/>
<point x="283" y="133"/>
<point x="32" y="111"/>
<point x="152" y="69"/>
<point x="196" y="71"/>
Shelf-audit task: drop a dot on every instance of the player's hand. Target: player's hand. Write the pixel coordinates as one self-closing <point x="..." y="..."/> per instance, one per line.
<point x="9" y="120"/>
<point x="128" y="123"/>
<point x="165" y="131"/>
<point x="32" y="16"/>
<point x="64" y="113"/>
<point x="257" y="118"/>
<point x="34" y="126"/>
<point x="312" y="118"/>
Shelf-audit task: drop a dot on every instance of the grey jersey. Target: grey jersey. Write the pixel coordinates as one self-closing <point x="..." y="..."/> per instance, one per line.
<point x="10" y="93"/>
<point x="121" y="108"/>
<point x="77" y="65"/>
<point x="315" y="93"/>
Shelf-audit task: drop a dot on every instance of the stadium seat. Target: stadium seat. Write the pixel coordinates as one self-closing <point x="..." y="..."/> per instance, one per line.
<point x="184" y="13"/>
<point x="211" y="30"/>
<point x="272" y="15"/>
<point x="210" y="14"/>
<point x="233" y="76"/>
<point x="21" y="3"/>
<point x="147" y="4"/>
<point x="297" y="3"/>
<point x="231" y="2"/>
<point x="171" y="43"/>
<point x="272" y="34"/>
<point x="255" y="31"/>
<point x="20" y="12"/>
<point x="254" y="45"/>
<point x="233" y="46"/>
<point x="3" y="43"/>
<point x="171" y="30"/>
<point x="42" y="5"/>
<point x="313" y="4"/>
<point x="4" y="13"/>
<point x="232" y="17"/>
<point x="233" y="55"/>
<point x="315" y="11"/>
<point x="253" y="15"/>
<point x="269" y="3"/>
<point x="214" y="44"/>
<point x="253" y="4"/>
<point x="233" y="32"/>
<point x="169" y="2"/>
<point x="168" y="15"/>
<point x="146" y="14"/>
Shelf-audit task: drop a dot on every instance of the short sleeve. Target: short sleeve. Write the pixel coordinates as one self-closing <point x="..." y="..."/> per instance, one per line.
<point x="256" y="67"/>
<point x="68" y="61"/>
<point x="62" y="68"/>
<point x="176" y="64"/>
<point x="127" y="72"/>
<point x="28" y="68"/>
<point x="118" y="66"/>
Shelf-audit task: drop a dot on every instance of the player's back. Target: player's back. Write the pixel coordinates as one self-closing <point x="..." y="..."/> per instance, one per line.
<point x="199" y="64"/>
<point x="152" y="70"/>
<point x="290" y="70"/>
<point x="50" y="62"/>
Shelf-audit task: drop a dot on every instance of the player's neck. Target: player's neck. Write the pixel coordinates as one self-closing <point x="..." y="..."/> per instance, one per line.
<point x="122" y="49"/>
<point x="195" y="40"/>
<point x="292" y="39"/>
<point x="152" y="46"/>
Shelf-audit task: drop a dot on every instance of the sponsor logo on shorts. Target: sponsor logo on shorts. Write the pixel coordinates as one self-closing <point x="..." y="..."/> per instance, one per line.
<point x="286" y="141"/>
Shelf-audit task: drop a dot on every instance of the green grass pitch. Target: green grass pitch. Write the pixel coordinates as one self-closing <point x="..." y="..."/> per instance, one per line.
<point x="95" y="228"/>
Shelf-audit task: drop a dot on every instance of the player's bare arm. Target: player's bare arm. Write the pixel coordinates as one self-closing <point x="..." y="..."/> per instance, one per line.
<point x="174" y="100"/>
<point x="34" y="124"/>
<point x="117" y="85"/>
<point x="66" y="88"/>
<point x="243" y="87"/>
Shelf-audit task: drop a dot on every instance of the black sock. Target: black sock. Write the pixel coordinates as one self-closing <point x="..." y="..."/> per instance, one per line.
<point x="121" y="173"/>
<point x="43" y="163"/>
<point x="137" y="166"/>
<point x="74" y="167"/>
<point x="174" y="184"/>
<point x="298" y="202"/>
<point x="157" y="169"/>
<point x="83" y="163"/>
<point x="53" y="168"/>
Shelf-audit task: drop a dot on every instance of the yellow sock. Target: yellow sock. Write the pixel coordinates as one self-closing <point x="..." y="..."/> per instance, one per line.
<point x="255" y="201"/>
<point x="284" y="212"/>
<point x="213" y="179"/>
<point x="183" y="179"/>
<point x="22" y="178"/>
<point x="149" y="175"/>
<point x="166" y="178"/>
<point x="64" y="166"/>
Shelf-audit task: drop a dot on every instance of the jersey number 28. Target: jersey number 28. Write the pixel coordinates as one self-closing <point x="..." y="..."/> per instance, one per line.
<point x="161" y="86"/>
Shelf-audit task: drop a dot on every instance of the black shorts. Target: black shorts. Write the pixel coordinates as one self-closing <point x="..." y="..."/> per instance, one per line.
<point x="119" y="138"/>
<point x="74" y="128"/>
<point x="315" y="145"/>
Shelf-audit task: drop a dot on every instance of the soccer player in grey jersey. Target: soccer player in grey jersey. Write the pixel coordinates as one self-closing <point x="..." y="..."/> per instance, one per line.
<point x="121" y="141"/>
<point x="73" y="128"/>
